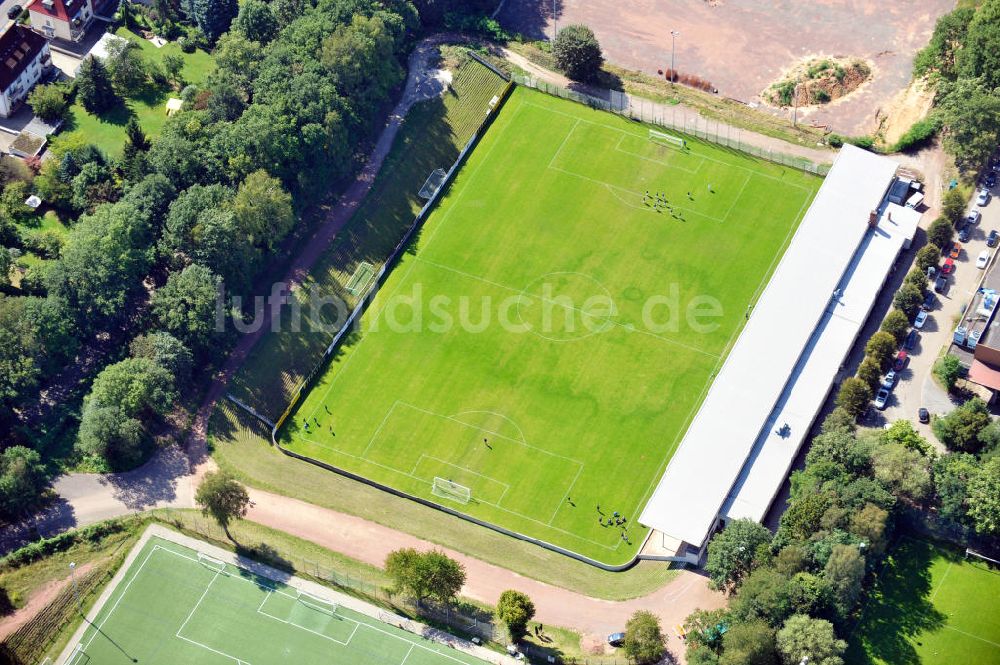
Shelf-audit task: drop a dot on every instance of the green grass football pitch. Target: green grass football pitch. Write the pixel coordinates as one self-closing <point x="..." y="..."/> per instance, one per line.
<point x="536" y="343"/>
<point x="171" y="607"/>
<point x="930" y="606"/>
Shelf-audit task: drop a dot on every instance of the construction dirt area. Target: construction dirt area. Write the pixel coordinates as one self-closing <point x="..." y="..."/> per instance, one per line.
<point x="743" y="46"/>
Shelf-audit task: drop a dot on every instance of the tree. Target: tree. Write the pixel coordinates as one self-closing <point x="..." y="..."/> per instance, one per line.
<point x="750" y="643"/>
<point x="960" y="429"/>
<point x="940" y="234"/>
<point x="223" y="498"/>
<point x="578" y="53"/>
<point x="896" y="324"/>
<point x="226" y="103"/>
<point x="903" y="433"/>
<point x="980" y="56"/>
<point x="263" y="210"/>
<point x="984" y="498"/>
<point x="424" y="575"/>
<point x="515" y="610"/>
<point x="6" y="265"/>
<point x="845" y="570"/>
<point x="644" y="641"/>
<point x="870" y="372"/>
<point x="854" y="396"/>
<point x="952" y="474"/>
<point x="213" y="16"/>
<point x="948" y="370"/>
<point x="882" y="347"/>
<point x="871" y="525"/>
<point x="166" y="351"/>
<point x="804" y="636"/>
<point x="908" y="299"/>
<point x="93" y="86"/>
<point x="256" y="21"/>
<point x="173" y="66"/>
<point x="953" y="205"/>
<point x="48" y="102"/>
<point x="906" y="472"/>
<point x="970" y="114"/>
<point x="732" y="553"/>
<point x="765" y="594"/>
<point x="939" y="56"/>
<point x="22" y="479"/>
<point x="918" y="278"/>
<point x="928" y="256"/>
<point x="186" y="307"/>
<point x="111" y="435"/>
<point x="126" y="66"/>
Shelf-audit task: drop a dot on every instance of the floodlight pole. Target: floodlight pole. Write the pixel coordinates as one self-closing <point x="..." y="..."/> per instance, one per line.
<point x="555" y="22"/>
<point x="673" y="44"/>
<point x="76" y="588"/>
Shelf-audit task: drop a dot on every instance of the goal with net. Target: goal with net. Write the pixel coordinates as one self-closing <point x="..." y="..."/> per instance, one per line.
<point x="317" y="604"/>
<point x="447" y="489"/>
<point x="211" y="563"/>
<point x="666" y="139"/>
<point x="433" y="184"/>
<point x="361" y="278"/>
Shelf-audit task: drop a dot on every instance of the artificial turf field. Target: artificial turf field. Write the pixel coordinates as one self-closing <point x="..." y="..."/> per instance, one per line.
<point x="172" y="608"/>
<point x="931" y="606"/>
<point x="509" y="352"/>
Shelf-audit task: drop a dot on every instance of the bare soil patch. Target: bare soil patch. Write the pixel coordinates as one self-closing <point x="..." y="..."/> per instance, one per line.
<point x="817" y="81"/>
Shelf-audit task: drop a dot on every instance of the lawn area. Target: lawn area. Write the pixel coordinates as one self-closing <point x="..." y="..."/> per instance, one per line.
<point x="532" y="348"/>
<point x="172" y="606"/>
<point x="108" y="131"/>
<point x="930" y="606"/>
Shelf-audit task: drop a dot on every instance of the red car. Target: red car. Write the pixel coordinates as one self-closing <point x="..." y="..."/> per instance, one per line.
<point x="900" y="361"/>
<point x="948" y="267"/>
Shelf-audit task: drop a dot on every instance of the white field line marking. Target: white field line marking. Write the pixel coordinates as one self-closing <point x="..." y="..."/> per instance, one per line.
<point x="975" y="637"/>
<point x="198" y="604"/>
<point x="667" y="164"/>
<point x="208" y="648"/>
<point x="941" y="583"/>
<point x="565" y="496"/>
<point x="407" y="655"/>
<point x="310" y="630"/>
<point x="122" y="595"/>
<point x="423" y="456"/>
<point x="705" y="157"/>
<point x="564" y="142"/>
<point x="388" y="414"/>
<point x="520" y="432"/>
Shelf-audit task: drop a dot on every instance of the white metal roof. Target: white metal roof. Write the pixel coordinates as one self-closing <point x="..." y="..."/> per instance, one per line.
<point x="774" y="452"/>
<point x="712" y="453"/>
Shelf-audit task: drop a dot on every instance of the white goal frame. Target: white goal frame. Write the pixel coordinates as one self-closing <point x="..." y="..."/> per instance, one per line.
<point x="317" y="604"/>
<point x="448" y="489"/>
<point x="669" y="139"/>
<point x="211" y="563"/>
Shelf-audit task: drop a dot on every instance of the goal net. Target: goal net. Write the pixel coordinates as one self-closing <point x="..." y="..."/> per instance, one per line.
<point x="78" y="657"/>
<point x="433" y="184"/>
<point x="982" y="558"/>
<point x="666" y="139"/>
<point x="211" y="563"/>
<point x="317" y="604"/>
<point x="361" y="278"/>
<point x="447" y="489"/>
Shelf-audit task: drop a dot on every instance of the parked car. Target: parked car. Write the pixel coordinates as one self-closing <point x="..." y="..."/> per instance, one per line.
<point x="900" y="362"/>
<point x="956" y="250"/>
<point x="923" y="415"/>
<point x="911" y="340"/>
<point x="992" y="238"/>
<point x="881" y="398"/>
<point x="616" y="639"/>
<point x="965" y="233"/>
<point x="14" y="12"/>
<point x="974" y="217"/>
<point x="991" y="180"/>
<point x="928" y="303"/>
<point x="941" y="283"/>
<point x="982" y="197"/>
<point x="948" y="267"/>
<point x="983" y="259"/>
<point x="889" y="380"/>
<point x="921" y="319"/>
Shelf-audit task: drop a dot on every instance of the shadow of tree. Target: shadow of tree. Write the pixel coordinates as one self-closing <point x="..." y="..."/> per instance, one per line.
<point x="530" y="18"/>
<point x="900" y="607"/>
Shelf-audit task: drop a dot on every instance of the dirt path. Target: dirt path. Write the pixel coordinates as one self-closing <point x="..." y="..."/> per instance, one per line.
<point x="37" y="602"/>
<point x="593" y="618"/>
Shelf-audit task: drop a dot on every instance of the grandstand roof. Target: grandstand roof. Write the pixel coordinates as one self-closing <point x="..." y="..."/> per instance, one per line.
<point x="690" y="496"/>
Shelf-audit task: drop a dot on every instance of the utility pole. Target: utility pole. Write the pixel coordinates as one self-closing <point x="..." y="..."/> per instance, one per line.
<point x="76" y="589"/>
<point x="673" y="43"/>
<point x="555" y="23"/>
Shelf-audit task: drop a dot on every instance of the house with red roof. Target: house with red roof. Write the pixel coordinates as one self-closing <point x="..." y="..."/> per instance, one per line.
<point x="61" y="19"/>
<point x="24" y="61"/>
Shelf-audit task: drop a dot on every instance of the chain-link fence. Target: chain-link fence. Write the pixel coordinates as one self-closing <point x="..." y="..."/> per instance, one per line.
<point x="670" y="116"/>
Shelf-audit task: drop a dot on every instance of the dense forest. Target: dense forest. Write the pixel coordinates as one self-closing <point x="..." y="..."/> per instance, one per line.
<point x="100" y="342"/>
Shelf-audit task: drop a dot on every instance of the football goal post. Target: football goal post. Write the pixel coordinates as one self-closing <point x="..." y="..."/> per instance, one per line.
<point x="211" y="563"/>
<point x="667" y="139"/>
<point x="447" y="489"/>
<point x="317" y="604"/>
<point x="972" y="554"/>
<point x="433" y="184"/>
<point x="361" y="279"/>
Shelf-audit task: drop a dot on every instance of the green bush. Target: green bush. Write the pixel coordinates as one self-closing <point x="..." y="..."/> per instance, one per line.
<point x="918" y="135"/>
<point x="835" y="140"/>
<point x="896" y="324"/>
<point x="948" y="369"/>
<point x="928" y="256"/>
<point x="820" y="96"/>
<point x="940" y="233"/>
